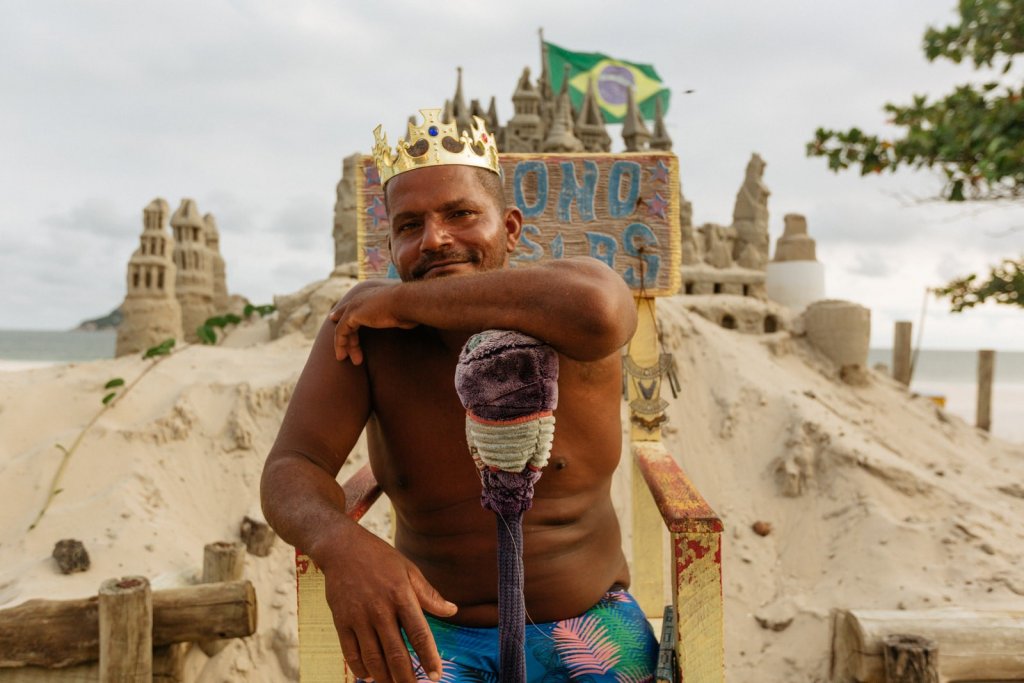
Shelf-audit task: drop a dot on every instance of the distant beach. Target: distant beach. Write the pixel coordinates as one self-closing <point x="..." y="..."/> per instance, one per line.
<point x="951" y="374"/>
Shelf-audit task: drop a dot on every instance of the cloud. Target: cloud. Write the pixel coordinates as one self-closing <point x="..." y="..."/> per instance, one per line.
<point x="871" y="264"/>
<point x="304" y="221"/>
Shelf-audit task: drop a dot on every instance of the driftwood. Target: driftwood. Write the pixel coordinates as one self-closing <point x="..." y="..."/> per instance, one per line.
<point x="126" y="630"/>
<point x="58" y="633"/>
<point x="973" y="645"/>
<point x="168" y="667"/>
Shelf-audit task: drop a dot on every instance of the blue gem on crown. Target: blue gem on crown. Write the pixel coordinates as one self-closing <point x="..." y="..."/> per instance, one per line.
<point x="433" y="131"/>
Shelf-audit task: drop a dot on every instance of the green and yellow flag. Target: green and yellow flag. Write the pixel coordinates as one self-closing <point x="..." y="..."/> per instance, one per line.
<point x="612" y="77"/>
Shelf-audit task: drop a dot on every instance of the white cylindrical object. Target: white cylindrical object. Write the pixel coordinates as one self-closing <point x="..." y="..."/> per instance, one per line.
<point x="795" y="284"/>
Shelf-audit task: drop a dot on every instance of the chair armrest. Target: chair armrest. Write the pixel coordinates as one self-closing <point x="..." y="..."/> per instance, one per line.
<point x="361" y="492"/>
<point x="681" y="506"/>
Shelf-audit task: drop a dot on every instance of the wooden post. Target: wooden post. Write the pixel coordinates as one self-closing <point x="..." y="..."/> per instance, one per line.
<point x="910" y="659"/>
<point x="126" y="630"/>
<point x="257" y="536"/>
<point x="169" y="663"/>
<point x="222" y="561"/>
<point x="901" y="352"/>
<point x="986" y="370"/>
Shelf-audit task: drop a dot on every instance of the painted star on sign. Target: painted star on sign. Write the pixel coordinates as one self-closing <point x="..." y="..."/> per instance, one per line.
<point x="375" y="259"/>
<point x="377" y="212"/>
<point x="659" y="172"/>
<point x="372" y="176"/>
<point x="657" y="206"/>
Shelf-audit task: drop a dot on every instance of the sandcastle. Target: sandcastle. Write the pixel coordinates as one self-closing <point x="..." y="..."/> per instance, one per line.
<point x="174" y="283"/>
<point x="150" y="309"/>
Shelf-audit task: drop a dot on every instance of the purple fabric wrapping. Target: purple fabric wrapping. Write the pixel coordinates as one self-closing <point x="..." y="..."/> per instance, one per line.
<point x="508" y="493"/>
<point x="504" y="375"/>
<point x="511" y="605"/>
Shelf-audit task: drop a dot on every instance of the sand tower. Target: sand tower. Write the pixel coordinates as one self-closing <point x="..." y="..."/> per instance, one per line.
<point x="560" y="137"/>
<point x="750" y="217"/>
<point x="194" y="283"/>
<point x="590" y="123"/>
<point x="151" y="311"/>
<point x="634" y="130"/>
<point x="220" y="282"/>
<point x="794" y="278"/>
<point x="525" y="130"/>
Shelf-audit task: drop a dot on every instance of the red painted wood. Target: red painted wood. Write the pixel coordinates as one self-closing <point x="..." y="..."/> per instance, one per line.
<point x="681" y="505"/>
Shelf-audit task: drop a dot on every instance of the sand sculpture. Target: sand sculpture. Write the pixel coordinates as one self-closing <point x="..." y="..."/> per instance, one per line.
<point x="221" y="300"/>
<point x="195" y="268"/>
<point x="151" y="311"/>
<point x="794" y="278"/>
<point x="174" y="284"/>
<point x="841" y="330"/>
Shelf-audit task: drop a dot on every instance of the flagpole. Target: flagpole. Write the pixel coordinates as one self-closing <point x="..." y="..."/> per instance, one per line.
<point x="544" y="64"/>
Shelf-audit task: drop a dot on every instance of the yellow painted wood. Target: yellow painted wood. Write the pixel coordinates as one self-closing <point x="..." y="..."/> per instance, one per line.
<point x="320" y="659"/>
<point x="648" y="569"/>
<point x="699" y="608"/>
<point x="645" y="351"/>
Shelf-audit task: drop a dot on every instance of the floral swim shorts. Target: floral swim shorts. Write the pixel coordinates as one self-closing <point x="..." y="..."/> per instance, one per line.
<point x="612" y="641"/>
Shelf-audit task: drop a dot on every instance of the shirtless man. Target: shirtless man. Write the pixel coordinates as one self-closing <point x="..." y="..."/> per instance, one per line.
<point x="385" y="360"/>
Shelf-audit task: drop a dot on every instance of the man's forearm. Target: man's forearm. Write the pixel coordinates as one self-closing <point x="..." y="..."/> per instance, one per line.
<point x="305" y="505"/>
<point x="583" y="310"/>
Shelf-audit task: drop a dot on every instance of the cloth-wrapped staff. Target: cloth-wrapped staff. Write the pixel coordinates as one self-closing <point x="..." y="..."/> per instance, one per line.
<point x="508" y="384"/>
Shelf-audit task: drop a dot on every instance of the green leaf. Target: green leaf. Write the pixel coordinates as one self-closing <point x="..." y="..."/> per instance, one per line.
<point x="161" y="349"/>
<point x="232" y="319"/>
<point x="109" y="397"/>
<point x="116" y="382"/>
<point x="206" y="334"/>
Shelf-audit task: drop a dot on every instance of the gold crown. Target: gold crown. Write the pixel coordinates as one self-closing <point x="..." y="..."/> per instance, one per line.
<point x="435" y="143"/>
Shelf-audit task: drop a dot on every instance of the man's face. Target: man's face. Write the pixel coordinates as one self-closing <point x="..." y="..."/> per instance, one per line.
<point x="443" y="222"/>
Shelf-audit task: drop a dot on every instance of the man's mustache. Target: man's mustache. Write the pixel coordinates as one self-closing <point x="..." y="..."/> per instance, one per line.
<point x="426" y="262"/>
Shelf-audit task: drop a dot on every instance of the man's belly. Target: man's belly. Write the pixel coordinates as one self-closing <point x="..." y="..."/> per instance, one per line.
<point x="571" y="555"/>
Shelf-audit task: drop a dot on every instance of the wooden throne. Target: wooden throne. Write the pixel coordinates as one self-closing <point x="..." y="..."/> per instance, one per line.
<point x="622" y="209"/>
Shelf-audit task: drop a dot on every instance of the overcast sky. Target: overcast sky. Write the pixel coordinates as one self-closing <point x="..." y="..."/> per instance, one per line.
<point x="249" y="107"/>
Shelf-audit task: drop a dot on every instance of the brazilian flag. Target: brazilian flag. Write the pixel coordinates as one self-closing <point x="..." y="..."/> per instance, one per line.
<point x="612" y="77"/>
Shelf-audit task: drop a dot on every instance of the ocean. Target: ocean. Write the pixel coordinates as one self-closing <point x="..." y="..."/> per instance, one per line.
<point x="950" y="374"/>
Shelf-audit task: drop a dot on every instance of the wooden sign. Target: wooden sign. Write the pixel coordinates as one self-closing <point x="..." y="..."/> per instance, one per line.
<point x="622" y="209"/>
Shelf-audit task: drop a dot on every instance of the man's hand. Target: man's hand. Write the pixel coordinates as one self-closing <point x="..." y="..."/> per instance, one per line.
<point x="368" y="304"/>
<point x="373" y="591"/>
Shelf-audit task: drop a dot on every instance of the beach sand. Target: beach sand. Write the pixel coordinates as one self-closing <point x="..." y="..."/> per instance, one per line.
<point x="900" y="504"/>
